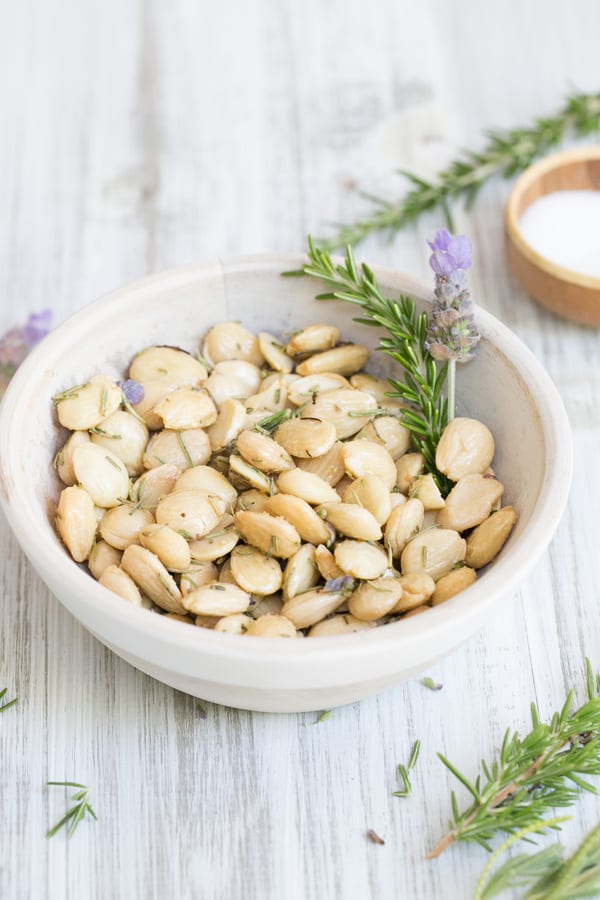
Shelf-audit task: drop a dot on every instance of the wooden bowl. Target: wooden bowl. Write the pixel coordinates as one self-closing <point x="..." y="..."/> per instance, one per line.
<point x="564" y="291"/>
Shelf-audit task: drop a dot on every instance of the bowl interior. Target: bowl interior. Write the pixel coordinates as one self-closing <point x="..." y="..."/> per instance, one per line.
<point x="503" y="386"/>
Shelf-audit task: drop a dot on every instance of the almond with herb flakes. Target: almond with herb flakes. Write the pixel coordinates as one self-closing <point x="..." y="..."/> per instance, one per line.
<point x="263" y="452"/>
<point x="274" y="353"/>
<point x="168" y="364"/>
<point x="306" y="438"/>
<point x="235" y="623"/>
<point x="101" y="557"/>
<point x="375" y="598"/>
<point x="487" y="540"/>
<point x="126" y="437"/>
<point x="118" y="581"/>
<point x="470" y="502"/>
<point x="171" y="547"/>
<point x="187" y="407"/>
<point x="301" y="515"/>
<point x="121" y="525"/>
<point x="76" y="522"/>
<point x="102" y="474"/>
<point x="301" y="572"/>
<point x="272" y="627"/>
<point x="343" y="623"/>
<point x="271" y="534"/>
<point x="230" y="340"/>
<point x="85" y="406"/>
<point x="310" y="607"/>
<point x="231" y="420"/>
<point x="233" y="379"/>
<point x="343" y="360"/>
<point x="453" y="583"/>
<point x="184" y="449"/>
<point x="435" y="552"/>
<point x="361" y="559"/>
<point x="217" y="599"/>
<point x="195" y="512"/>
<point x="254" y="571"/>
<point x="63" y="461"/>
<point x="347" y="410"/>
<point x="152" y="578"/>
<point x="312" y="339"/>
<point x="307" y="388"/>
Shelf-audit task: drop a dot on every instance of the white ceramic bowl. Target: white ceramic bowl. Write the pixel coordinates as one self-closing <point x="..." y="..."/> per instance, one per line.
<point x="504" y="386"/>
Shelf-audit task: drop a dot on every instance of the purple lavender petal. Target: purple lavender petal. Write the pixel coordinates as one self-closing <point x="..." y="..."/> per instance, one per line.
<point x="37" y="327"/>
<point x="442" y="240"/>
<point x="442" y="263"/>
<point x="462" y="251"/>
<point x="133" y="391"/>
<point x="343" y="583"/>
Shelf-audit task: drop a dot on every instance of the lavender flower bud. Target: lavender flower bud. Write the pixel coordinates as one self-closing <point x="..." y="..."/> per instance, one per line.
<point x="452" y="333"/>
<point x="132" y="390"/>
<point x="17" y="343"/>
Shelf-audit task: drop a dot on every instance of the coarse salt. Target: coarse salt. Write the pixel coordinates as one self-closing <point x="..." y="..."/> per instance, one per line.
<point x="564" y="227"/>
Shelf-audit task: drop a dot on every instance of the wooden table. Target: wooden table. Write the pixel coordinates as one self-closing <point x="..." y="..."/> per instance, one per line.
<point x="137" y="136"/>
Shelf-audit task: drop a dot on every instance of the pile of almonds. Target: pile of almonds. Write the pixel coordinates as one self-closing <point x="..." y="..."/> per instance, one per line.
<point x="270" y="490"/>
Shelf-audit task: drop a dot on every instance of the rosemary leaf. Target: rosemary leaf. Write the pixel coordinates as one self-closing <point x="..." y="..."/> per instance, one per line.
<point x="77" y="813"/>
<point x="505" y="153"/>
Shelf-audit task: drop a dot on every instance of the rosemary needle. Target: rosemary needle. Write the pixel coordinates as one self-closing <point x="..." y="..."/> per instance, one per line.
<point x="76" y="814"/>
<point x="7" y="705"/>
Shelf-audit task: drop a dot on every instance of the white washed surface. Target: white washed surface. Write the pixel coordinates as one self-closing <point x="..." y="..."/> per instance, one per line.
<point x="140" y="136"/>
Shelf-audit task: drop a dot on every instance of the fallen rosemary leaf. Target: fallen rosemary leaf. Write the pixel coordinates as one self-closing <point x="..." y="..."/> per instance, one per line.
<point x="7" y="705"/>
<point x="323" y="717"/>
<point x="428" y="682"/>
<point x="76" y="814"/>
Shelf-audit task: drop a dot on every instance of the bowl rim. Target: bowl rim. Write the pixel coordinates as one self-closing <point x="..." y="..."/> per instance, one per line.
<point x="512" y="218"/>
<point x="420" y="632"/>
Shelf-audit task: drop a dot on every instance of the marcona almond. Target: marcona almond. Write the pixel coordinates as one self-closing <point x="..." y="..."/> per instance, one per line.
<point x="417" y="589"/>
<point x="361" y="559"/>
<point x="118" y="581"/>
<point x="192" y="513"/>
<point x="466" y="447"/>
<point x="184" y="449"/>
<point x="268" y="401"/>
<point x="434" y="552"/>
<point x="271" y="534"/>
<point x="153" y="485"/>
<point x="310" y="607"/>
<point x="102" y="474"/>
<point x="63" y="461"/>
<point x="198" y="574"/>
<point x="154" y="392"/>
<point x="263" y="452"/>
<point x="326" y="563"/>
<point x="126" y="437"/>
<point x="215" y="545"/>
<point x="409" y="467"/>
<point x="343" y="623"/>
<point x="486" y="541"/>
<point x="87" y="405"/>
<point x="347" y="410"/>
<point x="152" y="578"/>
<point x="312" y="339"/>
<point x="101" y="557"/>
<point x="246" y="474"/>
<point x="265" y="606"/>
<point x="470" y="502"/>
<point x="274" y="352"/>
<point x="344" y="360"/>
<point x="272" y="627"/>
<point x="76" y="522"/>
<point x="375" y="598"/>
<point x="453" y="583"/>
<point x="253" y="500"/>
<point x="394" y="436"/>
<point x="205" y="478"/>
<point x="306" y="389"/>
<point x="367" y="458"/>
<point x="121" y="525"/>
<point x="351" y="520"/>
<point x="230" y="340"/>
<point x="233" y="379"/>
<point x="217" y="599"/>
<point x="301" y="572"/>
<point x="305" y="520"/>
<point x="254" y="571"/>
<point x="371" y="493"/>
<point x="230" y="422"/>
<point x="329" y="467"/>
<point x="403" y="523"/>
<point x="167" y="364"/>
<point x="306" y="438"/>
<point x="307" y="486"/>
<point x="235" y="623"/>
<point x="187" y="407"/>
<point x="426" y="490"/>
<point x="171" y="548"/>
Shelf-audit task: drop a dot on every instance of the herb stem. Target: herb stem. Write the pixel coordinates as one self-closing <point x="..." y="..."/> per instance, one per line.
<point x="451" y="388"/>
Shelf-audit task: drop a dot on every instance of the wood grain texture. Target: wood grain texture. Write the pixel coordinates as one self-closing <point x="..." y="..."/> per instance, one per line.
<point x="140" y="135"/>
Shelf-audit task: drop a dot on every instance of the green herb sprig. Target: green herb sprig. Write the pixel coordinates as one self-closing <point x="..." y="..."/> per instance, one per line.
<point x="9" y="703"/>
<point x="426" y="415"/>
<point x="533" y="775"/>
<point x="76" y="814"/>
<point x="506" y="153"/>
<point x="546" y="873"/>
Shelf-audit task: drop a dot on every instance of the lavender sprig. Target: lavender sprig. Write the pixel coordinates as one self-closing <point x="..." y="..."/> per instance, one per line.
<point x="452" y="334"/>
<point x="16" y="344"/>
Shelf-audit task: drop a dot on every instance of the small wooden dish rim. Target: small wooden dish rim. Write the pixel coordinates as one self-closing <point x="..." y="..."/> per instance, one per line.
<point x="529" y="177"/>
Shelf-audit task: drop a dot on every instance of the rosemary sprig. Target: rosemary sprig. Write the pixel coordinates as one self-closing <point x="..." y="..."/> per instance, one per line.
<point x="506" y="153"/>
<point x="427" y="413"/>
<point x="10" y="703"/>
<point x="546" y="873"/>
<point x="76" y="814"/>
<point x="404" y="770"/>
<point x="545" y="769"/>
